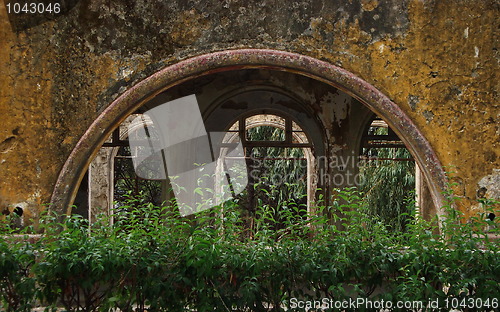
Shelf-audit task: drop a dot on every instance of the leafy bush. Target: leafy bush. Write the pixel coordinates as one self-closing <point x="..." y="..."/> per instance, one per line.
<point x="17" y="284"/>
<point x="387" y="184"/>
<point x="152" y="258"/>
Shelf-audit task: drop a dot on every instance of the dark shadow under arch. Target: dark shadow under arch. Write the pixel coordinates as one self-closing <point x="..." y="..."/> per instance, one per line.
<point x="77" y="163"/>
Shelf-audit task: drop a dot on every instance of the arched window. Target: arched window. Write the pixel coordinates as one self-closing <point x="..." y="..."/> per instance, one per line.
<point x="279" y="159"/>
<point x="391" y="180"/>
<point x="112" y="178"/>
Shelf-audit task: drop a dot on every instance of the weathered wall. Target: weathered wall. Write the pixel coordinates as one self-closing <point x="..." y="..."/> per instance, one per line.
<point x="437" y="59"/>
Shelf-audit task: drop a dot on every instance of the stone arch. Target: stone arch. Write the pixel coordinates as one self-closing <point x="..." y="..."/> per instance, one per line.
<point x="75" y="166"/>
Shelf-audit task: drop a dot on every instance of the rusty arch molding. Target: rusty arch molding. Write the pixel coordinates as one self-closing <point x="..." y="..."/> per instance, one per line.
<point x="77" y="163"/>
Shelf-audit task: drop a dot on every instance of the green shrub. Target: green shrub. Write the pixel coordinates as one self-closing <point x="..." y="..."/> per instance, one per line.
<point x="152" y="258"/>
<point x="17" y="284"/>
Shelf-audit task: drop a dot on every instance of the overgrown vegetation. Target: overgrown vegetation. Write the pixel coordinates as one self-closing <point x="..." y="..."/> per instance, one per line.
<point x="153" y="258"/>
<point x="388" y="183"/>
<point x="277" y="174"/>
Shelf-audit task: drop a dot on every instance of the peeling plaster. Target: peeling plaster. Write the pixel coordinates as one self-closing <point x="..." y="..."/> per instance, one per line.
<point x="489" y="186"/>
<point x="341" y="107"/>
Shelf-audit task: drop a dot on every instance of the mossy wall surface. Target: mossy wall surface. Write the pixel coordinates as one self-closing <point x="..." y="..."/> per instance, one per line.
<point x="438" y="60"/>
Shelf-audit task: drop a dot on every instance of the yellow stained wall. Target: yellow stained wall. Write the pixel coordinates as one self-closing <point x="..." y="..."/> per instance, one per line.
<point x="438" y="60"/>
